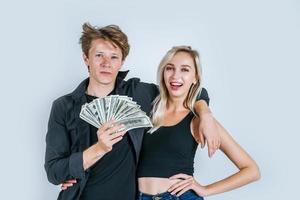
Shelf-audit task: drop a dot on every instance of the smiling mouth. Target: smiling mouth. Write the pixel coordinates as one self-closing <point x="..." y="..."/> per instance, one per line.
<point x="175" y="85"/>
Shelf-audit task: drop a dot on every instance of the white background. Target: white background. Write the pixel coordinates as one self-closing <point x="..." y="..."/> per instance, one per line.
<point x="250" y="57"/>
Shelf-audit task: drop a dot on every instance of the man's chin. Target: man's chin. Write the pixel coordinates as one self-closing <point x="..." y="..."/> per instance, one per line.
<point x="106" y="82"/>
<point x="102" y="81"/>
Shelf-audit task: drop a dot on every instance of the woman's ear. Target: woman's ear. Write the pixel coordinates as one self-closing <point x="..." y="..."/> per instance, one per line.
<point x="195" y="82"/>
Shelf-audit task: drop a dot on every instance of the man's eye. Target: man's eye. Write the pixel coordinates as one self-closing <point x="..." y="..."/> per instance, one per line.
<point x="98" y="55"/>
<point x="185" y="70"/>
<point x="114" y="57"/>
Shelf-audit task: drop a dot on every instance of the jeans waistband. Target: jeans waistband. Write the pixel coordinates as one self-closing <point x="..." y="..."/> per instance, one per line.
<point x="156" y="196"/>
<point x="167" y="195"/>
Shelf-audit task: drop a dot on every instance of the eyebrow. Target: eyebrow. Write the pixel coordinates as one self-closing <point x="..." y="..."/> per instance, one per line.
<point x="103" y="52"/>
<point x="186" y="66"/>
<point x="169" y="64"/>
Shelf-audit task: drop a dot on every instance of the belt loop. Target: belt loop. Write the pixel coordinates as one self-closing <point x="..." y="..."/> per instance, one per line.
<point x="156" y="198"/>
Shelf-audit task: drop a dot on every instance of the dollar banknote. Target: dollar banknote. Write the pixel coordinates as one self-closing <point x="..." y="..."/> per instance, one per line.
<point x="118" y="107"/>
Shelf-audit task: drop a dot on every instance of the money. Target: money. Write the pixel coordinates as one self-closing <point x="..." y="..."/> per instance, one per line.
<point x="135" y="122"/>
<point x="120" y="108"/>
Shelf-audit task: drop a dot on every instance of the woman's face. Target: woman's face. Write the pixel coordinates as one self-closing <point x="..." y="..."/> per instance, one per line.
<point x="179" y="74"/>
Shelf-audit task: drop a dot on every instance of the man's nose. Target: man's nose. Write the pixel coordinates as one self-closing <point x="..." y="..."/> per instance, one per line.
<point x="106" y="61"/>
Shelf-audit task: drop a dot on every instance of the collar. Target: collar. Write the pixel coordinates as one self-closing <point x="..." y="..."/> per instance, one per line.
<point x="80" y="90"/>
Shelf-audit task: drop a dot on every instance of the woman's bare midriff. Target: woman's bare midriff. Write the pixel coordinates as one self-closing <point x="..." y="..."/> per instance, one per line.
<point x="154" y="185"/>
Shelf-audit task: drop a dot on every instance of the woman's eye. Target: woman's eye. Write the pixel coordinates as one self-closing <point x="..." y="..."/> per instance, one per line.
<point x="114" y="57"/>
<point x="168" y="68"/>
<point x="185" y="70"/>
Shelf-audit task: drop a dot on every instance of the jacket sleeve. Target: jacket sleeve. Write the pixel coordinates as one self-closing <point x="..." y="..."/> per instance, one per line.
<point x="203" y="95"/>
<point x="60" y="163"/>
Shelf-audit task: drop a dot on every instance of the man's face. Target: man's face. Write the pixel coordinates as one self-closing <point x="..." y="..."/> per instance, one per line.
<point x="104" y="61"/>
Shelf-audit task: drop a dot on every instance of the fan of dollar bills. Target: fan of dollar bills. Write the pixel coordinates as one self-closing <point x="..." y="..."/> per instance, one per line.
<point x="120" y="108"/>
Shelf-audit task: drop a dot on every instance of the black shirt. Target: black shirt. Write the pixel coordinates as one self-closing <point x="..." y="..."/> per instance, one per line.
<point x="168" y="151"/>
<point x="113" y="176"/>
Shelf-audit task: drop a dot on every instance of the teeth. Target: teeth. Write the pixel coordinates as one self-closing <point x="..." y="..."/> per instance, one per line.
<point x="176" y="84"/>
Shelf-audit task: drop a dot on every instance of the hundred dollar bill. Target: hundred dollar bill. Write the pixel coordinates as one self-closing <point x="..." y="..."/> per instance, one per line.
<point x="122" y="101"/>
<point x="135" y="122"/>
<point x="112" y="105"/>
<point x="86" y="116"/>
<point x="92" y="108"/>
<point x="118" y="107"/>
<point x="127" y="107"/>
<point x="135" y="112"/>
<point x="97" y="103"/>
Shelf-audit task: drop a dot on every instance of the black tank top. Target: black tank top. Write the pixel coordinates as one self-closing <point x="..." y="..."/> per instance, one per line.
<point x="168" y="151"/>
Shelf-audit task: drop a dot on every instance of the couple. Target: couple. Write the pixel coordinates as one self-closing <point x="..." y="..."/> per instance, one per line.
<point x="96" y="164"/>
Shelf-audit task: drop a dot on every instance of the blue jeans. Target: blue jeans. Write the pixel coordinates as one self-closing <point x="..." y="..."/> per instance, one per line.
<point x="188" y="195"/>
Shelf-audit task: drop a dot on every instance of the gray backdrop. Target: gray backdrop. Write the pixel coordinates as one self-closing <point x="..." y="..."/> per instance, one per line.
<point x="250" y="56"/>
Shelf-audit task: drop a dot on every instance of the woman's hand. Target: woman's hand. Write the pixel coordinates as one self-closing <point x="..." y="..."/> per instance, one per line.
<point x="68" y="184"/>
<point x="185" y="183"/>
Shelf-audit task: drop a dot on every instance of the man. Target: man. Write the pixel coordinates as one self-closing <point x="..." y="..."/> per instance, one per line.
<point x="103" y="164"/>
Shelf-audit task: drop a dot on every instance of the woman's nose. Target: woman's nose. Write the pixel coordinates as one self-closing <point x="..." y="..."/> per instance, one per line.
<point x="175" y="74"/>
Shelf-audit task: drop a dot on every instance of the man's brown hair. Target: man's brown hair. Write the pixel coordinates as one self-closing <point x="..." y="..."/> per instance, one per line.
<point x="110" y="33"/>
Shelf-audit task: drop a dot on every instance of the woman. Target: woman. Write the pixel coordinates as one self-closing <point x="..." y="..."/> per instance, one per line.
<point x="165" y="168"/>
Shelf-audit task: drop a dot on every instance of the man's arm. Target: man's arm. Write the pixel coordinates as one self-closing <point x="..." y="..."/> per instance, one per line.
<point x="108" y="135"/>
<point x="207" y="126"/>
<point x="60" y="163"/>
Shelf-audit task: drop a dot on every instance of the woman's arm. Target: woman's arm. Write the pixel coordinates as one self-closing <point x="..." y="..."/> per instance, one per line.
<point x="248" y="170"/>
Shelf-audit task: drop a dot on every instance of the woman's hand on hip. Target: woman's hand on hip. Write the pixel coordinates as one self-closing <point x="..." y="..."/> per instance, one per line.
<point x="185" y="182"/>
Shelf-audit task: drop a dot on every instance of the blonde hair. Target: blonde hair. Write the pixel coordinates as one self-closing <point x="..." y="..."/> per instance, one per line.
<point x="160" y="103"/>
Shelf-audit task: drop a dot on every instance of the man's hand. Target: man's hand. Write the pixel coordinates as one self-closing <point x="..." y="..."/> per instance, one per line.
<point x="109" y="134"/>
<point x="208" y="132"/>
<point x="65" y="185"/>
